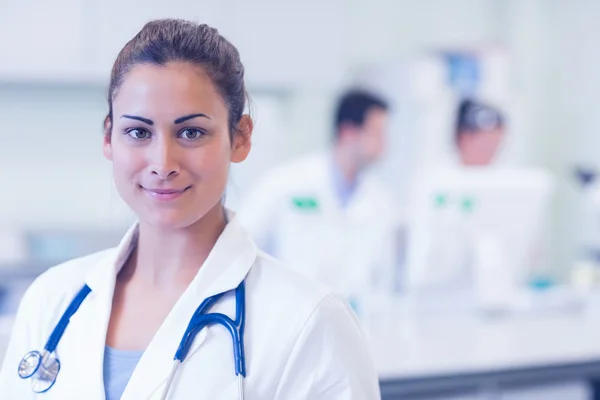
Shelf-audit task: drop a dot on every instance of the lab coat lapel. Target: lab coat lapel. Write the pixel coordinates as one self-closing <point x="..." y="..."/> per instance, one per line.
<point x="91" y="322"/>
<point x="366" y="203"/>
<point x="226" y="266"/>
<point x="89" y="325"/>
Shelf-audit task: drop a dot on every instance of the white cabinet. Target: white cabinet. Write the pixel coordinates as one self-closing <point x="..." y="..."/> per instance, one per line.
<point x="569" y="390"/>
<point x="112" y="23"/>
<point x="288" y="43"/>
<point x="282" y="43"/>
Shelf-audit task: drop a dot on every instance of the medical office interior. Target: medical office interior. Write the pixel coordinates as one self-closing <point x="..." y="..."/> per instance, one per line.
<point x="519" y="320"/>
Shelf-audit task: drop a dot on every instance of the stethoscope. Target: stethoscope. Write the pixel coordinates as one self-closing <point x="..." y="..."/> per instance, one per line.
<point x="43" y="367"/>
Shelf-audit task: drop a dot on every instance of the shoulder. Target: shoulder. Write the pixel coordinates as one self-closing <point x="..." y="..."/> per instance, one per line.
<point x="377" y="185"/>
<point x="69" y="273"/>
<point x="286" y="285"/>
<point x="380" y="196"/>
<point x="318" y="336"/>
<point x="285" y="294"/>
<point x="305" y="304"/>
<point x="55" y="287"/>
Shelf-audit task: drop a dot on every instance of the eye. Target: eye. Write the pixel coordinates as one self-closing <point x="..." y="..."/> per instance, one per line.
<point x="190" y="133"/>
<point x="138" y="133"/>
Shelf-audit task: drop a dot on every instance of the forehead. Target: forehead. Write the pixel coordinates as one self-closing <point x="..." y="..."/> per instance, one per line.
<point x="168" y="91"/>
<point x="376" y="115"/>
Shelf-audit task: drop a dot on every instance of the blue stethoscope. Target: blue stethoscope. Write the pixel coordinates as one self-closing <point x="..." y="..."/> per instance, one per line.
<point x="43" y="367"/>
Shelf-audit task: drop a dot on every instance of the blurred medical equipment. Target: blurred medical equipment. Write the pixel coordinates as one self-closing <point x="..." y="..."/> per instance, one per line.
<point x="476" y="230"/>
<point x="586" y="270"/>
<point x="43" y="367"/>
<point x="13" y="248"/>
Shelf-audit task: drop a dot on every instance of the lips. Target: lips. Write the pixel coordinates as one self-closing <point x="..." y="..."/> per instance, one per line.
<point x="165" y="194"/>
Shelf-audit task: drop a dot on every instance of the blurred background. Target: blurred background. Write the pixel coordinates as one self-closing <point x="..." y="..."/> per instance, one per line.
<point x="530" y="330"/>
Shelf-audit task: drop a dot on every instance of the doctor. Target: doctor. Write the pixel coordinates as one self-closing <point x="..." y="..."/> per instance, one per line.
<point x="327" y="214"/>
<point x="175" y="123"/>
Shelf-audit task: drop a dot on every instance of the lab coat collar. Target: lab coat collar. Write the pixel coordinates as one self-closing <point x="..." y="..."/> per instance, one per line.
<point x="357" y="198"/>
<point x="225" y="268"/>
<point x="210" y="276"/>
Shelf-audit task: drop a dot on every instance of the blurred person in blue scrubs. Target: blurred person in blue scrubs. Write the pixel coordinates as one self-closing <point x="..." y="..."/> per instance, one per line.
<point x="328" y="214"/>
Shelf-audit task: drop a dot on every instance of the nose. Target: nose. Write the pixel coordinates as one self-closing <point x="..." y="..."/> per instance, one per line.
<point x="164" y="160"/>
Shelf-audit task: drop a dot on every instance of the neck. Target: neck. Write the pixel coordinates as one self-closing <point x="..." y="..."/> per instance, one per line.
<point x="469" y="161"/>
<point x="346" y="163"/>
<point x="464" y="160"/>
<point x="168" y="258"/>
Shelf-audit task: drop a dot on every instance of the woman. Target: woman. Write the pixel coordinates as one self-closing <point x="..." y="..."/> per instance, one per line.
<point x="175" y="123"/>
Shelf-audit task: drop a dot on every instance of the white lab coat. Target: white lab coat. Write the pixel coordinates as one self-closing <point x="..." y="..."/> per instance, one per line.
<point x="439" y="247"/>
<point x="351" y="248"/>
<point x="302" y="342"/>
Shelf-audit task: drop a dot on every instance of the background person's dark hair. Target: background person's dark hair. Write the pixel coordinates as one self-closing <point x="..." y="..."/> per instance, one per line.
<point x="474" y="116"/>
<point x="173" y="40"/>
<point x="353" y="107"/>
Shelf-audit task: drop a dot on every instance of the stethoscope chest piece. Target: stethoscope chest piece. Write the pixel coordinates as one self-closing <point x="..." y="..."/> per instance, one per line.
<point x="42" y="368"/>
<point x="29" y="364"/>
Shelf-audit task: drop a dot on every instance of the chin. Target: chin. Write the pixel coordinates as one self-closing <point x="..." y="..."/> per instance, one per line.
<point x="167" y="220"/>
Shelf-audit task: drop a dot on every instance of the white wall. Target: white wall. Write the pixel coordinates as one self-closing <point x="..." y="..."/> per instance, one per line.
<point x="53" y="172"/>
<point x="569" y="109"/>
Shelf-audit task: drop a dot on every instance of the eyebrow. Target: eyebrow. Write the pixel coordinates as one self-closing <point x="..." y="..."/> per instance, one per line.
<point x="183" y="119"/>
<point x="144" y="120"/>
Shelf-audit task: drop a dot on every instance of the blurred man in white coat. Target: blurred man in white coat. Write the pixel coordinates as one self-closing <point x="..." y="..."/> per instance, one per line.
<point x="327" y="214"/>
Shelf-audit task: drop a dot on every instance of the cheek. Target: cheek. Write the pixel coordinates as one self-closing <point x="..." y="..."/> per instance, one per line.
<point x="211" y="163"/>
<point x="488" y="145"/>
<point x="373" y="142"/>
<point x="126" y="162"/>
<point x="379" y="140"/>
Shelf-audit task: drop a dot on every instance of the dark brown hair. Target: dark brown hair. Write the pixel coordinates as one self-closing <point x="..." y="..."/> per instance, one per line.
<point x="353" y="107"/>
<point x="173" y="40"/>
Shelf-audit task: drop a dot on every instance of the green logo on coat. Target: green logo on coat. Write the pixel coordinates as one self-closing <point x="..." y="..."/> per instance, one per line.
<point x="305" y="203"/>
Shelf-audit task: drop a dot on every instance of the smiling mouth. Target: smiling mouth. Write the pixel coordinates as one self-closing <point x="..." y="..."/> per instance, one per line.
<point x="165" y="194"/>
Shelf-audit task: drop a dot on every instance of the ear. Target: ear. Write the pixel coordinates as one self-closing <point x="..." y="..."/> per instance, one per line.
<point x="242" y="140"/>
<point x="106" y="143"/>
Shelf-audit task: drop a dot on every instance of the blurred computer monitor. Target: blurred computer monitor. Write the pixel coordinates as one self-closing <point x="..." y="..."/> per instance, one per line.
<point x="470" y="227"/>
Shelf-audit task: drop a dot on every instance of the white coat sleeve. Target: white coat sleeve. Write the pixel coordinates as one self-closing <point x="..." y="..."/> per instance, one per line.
<point x="23" y="339"/>
<point x="330" y="360"/>
<point x="258" y="212"/>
